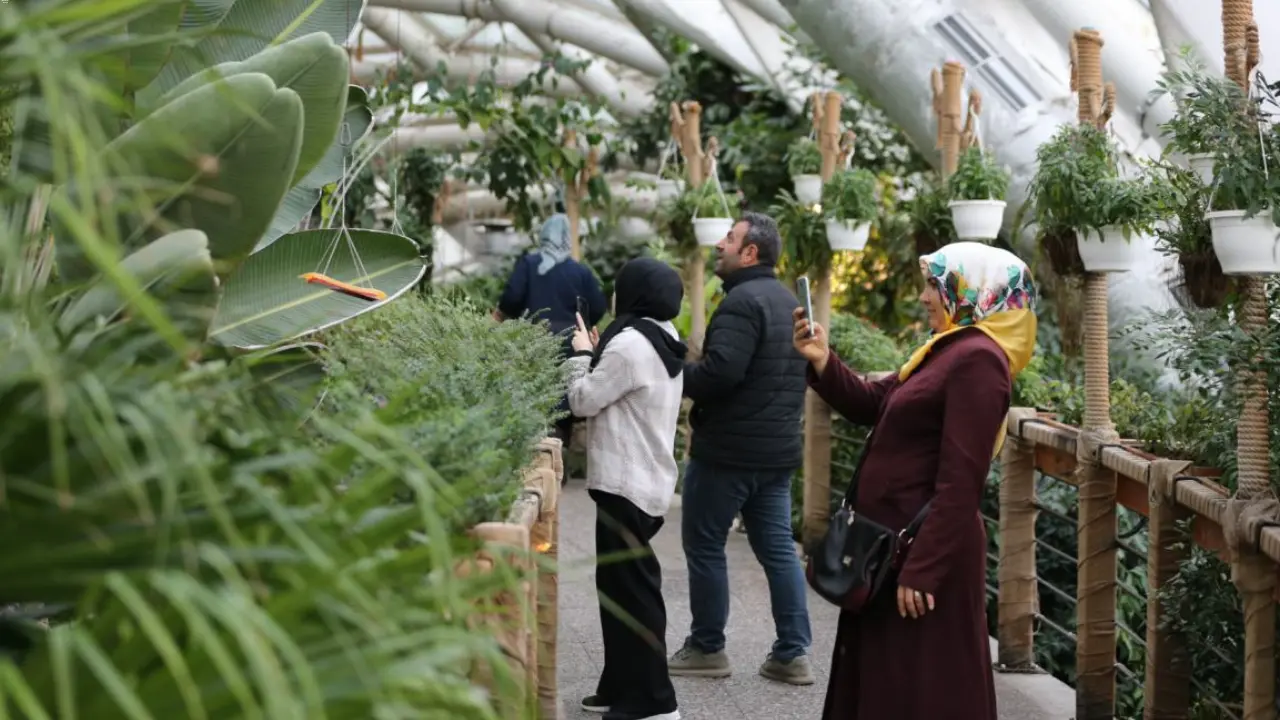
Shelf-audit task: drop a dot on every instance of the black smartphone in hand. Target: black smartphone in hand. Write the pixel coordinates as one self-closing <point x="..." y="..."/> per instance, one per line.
<point x="802" y="289"/>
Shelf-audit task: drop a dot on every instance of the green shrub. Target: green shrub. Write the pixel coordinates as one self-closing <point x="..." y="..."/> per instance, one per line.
<point x="804" y="157"/>
<point x="478" y="394"/>
<point x="978" y="177"/>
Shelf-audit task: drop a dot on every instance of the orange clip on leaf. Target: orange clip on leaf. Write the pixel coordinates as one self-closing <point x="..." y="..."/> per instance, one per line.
<point x="370" y="294"/>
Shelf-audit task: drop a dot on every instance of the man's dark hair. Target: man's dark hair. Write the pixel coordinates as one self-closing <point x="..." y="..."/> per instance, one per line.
<point x="762" y="231"/>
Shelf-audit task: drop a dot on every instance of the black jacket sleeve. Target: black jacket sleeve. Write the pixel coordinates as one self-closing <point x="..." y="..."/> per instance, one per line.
<point x="732" y="337"/>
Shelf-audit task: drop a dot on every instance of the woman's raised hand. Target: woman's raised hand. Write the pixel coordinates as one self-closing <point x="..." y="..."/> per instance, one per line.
<point x="813" y="347"/>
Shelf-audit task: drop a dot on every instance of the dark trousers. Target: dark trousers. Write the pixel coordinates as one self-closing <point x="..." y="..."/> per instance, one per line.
<point x="633" y="617"/>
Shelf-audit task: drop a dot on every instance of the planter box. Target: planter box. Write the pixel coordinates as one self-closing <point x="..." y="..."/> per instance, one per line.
<point x="524" y="619"/>
<point x="710" y="231"/>
<point x="848" y="234"/>
<point x="1107" y="251"/>
<point x="977" y="219"/>
<point x="1245" y="246"/>
<point x="808" y="188"/>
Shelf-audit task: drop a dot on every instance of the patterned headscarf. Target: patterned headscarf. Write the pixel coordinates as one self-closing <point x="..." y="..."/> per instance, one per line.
<point x="554" y="245"/>
<point x="986" y="288"/>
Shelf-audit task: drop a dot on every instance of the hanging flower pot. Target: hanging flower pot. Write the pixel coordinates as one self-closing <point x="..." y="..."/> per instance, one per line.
<point x="1202" y="165"/>
<point x="848" y="235"/>
<point x="808" y="188"/>
<point x="710" y="231"/>
<point x="1245" y="246"/>
<point x="668" y="189"/>
<point x="977" y="219"/>
<point x="1106" y="251"/>
<point x="1203" y="284"/>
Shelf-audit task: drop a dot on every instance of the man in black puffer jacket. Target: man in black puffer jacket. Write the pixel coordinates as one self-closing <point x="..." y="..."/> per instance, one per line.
<point x="748" y="400"/>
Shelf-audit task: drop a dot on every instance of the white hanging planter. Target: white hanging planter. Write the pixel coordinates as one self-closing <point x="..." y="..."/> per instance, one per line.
<point x="977" y="219"/>
<point x="1202" y="165"/>
<point x="808" y="188"/>
<point x="1109" y="253"/>
<point x="848" y="234"/>
<point x="1245" y="246"/>
<point x="667" y="189"/>
<point x="710" y="231"/>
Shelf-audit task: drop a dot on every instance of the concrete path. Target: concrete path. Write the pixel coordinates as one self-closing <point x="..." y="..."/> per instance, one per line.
<point x="745" y="695"/>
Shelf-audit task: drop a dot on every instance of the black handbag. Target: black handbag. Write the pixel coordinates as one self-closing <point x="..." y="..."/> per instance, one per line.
<point x="858" y="557"/>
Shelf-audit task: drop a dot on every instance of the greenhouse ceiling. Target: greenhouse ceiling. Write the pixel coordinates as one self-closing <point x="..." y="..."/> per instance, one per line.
<point x="1015" y="51"/>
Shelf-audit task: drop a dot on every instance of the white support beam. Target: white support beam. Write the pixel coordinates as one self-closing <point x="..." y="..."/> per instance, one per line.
<point x="587" y="30"/>
<point x="772" y="11"/>
<point x="595" y="77"/>
<point x="642" y="201"/>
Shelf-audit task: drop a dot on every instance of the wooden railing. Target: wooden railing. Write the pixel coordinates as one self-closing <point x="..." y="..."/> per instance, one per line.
<point x="1169" y="493"/>
<point x="525" y="621"/>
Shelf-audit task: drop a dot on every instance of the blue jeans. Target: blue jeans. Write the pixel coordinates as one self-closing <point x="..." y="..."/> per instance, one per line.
<point x="713" y="495"/>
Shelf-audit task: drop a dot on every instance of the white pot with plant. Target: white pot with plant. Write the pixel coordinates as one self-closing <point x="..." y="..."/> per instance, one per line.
<point x="849" y="206"/>
<point x="977" y="190"/>
<point x="713" y="217"/>
<point x="1119" y="211"/>
<point x="1070" y="167"/>
<point x="804" y="161"/>
<point x="1202" y="103"/>
<point x="1243" y="213"/>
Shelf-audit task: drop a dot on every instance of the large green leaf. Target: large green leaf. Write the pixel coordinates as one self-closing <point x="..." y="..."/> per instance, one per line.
<point x="302" y="198"/>
<point x="176" y="268"/>
<point x="218" y="159"/>
<point x="312" y="66"/>
<point x="267" y="301"/>
<point x="249" y="28"/>
<point x="138" y="61"/>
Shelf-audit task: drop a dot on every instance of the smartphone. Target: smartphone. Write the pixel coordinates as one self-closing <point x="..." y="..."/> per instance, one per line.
<point x="802" y="289"/>
<point x="582" y="309"/>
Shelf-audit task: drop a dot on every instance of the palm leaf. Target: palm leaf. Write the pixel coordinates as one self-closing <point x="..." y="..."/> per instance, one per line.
<point x="217" y="159"/>
<point x="250" y="27"/>
<point x="267" y="302"/>
<point x="303" y="197"/>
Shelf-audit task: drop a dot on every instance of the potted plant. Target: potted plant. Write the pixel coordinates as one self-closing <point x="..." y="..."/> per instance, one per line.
<point x="1243" y="209"/>
<point x="1120" y="208"/>
<point x="1070" y="168"/>
<point x="669" y="181"/>
<point x="977" y="190"/>
<point x="804" y="161"/>
<point x="804" y="236"/>
<point x="1204" y="104"/>
<point x="713" y="215"/>
<point x="931" y="221"/>
<point x="849" y="206"/>
<point x="1186" y="236"/>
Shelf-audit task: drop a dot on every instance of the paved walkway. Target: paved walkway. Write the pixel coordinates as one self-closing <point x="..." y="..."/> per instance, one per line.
<point x="745" y="695"/>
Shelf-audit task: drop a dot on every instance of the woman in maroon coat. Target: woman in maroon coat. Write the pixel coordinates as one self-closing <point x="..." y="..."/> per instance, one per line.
<point x="919" y="650"/>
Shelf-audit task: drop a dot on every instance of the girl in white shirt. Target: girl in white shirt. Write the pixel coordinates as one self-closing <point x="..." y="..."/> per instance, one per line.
<point x="628" y="385"/>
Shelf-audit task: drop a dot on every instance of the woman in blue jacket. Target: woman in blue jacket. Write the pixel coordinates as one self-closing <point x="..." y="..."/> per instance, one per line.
<point x="550" y="285"/>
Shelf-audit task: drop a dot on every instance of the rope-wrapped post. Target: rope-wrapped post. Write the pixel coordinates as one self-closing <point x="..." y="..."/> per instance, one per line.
<point x="507" y="616"/>
<point x="573" y="199"/>
<point x="1096" y="520"/>
<point x="1016" y="572"/>
<point x="1167" y="686"/>
<point x="949" y="119"/>
<point x="817" y="414"/>
<point x="1254" y="503"/>
<point x="688" y="119"/>
<point x="545" y="539"/>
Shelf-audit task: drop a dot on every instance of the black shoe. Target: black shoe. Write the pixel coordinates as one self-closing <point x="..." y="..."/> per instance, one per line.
<point x="595" y="704"/>
<point x="673" y="715"/>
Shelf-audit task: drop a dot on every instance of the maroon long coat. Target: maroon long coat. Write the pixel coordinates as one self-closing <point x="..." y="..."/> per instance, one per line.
<point x="933" y="439"/>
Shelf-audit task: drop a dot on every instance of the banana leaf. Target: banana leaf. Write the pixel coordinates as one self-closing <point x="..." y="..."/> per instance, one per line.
<point x="218" y="159"/>
<point x="302" y="198"/>
<point x="176" y="268"/>
<point x="250" y="27"/>
<point x="268" y="302"/>
<point x="312" y="66"/>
